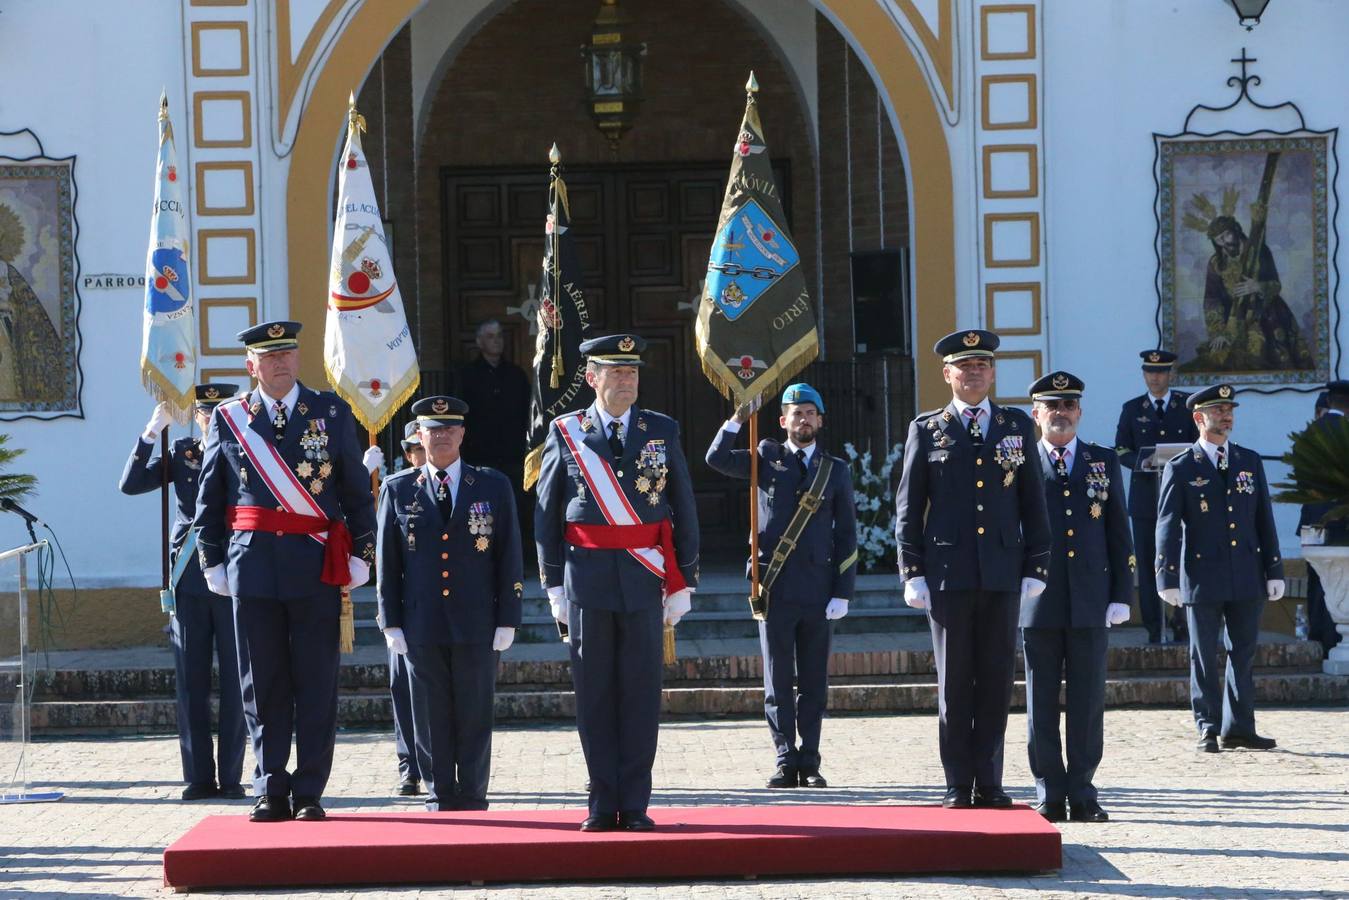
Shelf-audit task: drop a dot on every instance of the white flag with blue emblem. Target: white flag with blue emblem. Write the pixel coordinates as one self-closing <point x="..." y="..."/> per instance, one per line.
<point x="169" y="340"/>
<point x="367" y="347"/>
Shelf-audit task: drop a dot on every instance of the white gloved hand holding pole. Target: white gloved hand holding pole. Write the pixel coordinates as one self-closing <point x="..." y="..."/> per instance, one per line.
<point x="217" y="580"/>
<point x="359" y="572"/>
<point x="558" y="603"/>
<point x="1275" y="587"/>
<point x="916" y="593"/>
<point x="836" y="609"/>
<point x="1031" y="588"/>
<point x="677" y="604"/>
<point x="503" y="638"/>
<point x="373" y="460"/>
<point x="396" y="641"/>
<point x="1116" y="614"/>
<point x="159" y="420"/>
<point x="1170" y="595"/>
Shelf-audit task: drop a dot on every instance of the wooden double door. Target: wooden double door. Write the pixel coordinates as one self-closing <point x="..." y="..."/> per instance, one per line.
<point x="643" y="235"/>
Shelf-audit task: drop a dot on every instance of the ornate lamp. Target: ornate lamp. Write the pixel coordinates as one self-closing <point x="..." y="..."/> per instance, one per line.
<point x="1249" y="11"/>
<point x="613" y="73"/>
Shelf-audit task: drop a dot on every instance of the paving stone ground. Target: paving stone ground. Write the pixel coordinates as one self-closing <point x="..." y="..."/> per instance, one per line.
<point x="1239" y="824"/>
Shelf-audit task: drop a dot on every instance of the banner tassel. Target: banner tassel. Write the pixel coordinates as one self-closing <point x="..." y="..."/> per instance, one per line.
<point x="669" y="645"/>
<point x="346" y="625"/>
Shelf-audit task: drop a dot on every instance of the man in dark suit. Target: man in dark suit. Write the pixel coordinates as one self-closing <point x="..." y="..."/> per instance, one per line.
<point x="1218" y="554"/>
<point x="285" y="520"/>
<point x="811" y="588"/>
<point x="201" y="620"/>
<point x="1156" y="417"/>
<point x="617" y="533"/>
<point x="1331" y="408"/>
<point x="449" y="600"/>
<point x="1063" y="630"/>
<point x="973" y="543"/>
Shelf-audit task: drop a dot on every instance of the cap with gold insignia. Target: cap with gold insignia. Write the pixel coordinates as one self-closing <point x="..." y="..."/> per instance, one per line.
<point x="269" y="337"/>
<point x="964" y="344"/>
<point x="1157" y="360"/>
<point x="614" y="350"/>
<point x="410" y="436"/>
<point x="206" y="396"/>
<point x="1338" y="390"/>
<point x="802" y="393"/>
<point x="1057" y="386"/>
<point x="1216" y="395"/>
<point x="439" y="412"/>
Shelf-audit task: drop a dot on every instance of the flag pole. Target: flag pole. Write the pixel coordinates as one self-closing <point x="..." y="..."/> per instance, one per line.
<point x="164" y="507"/>
<point x="754" y="514"/>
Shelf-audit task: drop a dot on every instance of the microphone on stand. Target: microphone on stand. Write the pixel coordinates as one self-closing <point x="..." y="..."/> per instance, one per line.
<point x="8" y="503"/>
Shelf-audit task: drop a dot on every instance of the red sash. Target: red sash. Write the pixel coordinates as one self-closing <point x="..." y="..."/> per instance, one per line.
<point x="335" y="550"/>
<point x="632" y="537"/>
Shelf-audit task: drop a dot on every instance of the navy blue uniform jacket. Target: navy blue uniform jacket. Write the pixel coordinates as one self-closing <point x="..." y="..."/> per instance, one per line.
<point x="263" y="563"/>
<point x="968" y="521"/>
<point x="437" y="581"/>
<point x="145" y="472"/>
<point x="1215" y="536"/>
<point x="1139" y="429"/>
<point x="824" y="563"/>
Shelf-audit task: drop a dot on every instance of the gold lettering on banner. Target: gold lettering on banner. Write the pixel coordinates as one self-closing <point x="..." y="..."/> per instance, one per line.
<point x="798" y="308"/>
<point x="745" y="181"/>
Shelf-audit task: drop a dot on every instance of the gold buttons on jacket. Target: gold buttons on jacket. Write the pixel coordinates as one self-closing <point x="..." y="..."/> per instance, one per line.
<point x="1070" y="532"/>
<point x="445" y="593"/>
<point x="981" y="529"/>
<point x="1072" y="553"/>
<point x="978" y="461"/>
<point x="1234" y="543"/>
<point x="444" y="556"/>
<point x="978" y="484"/>
<point x="445" y="536"/>
<point x="444" y="574"/>
<point x="1231" y="524"/>
<point x="1067" y="512"/>
<point x="1067" y="493"/>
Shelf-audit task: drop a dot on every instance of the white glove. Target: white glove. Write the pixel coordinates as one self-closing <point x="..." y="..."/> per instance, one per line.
<point x="373" y="460"/>
<point x="359" y="572"/>
<point x="503" y="639"/>
<point x="1031" y="588"/>
<point x="837" y="608"/>
<point x="677" y="604"/>
<point x="916" y="593"/>
<point x="395" y="640"/>
<point x="558" y="602"/>
<point x="1276" y="587"/>
<point x="1170" y="595"/>
<point x="159" y="420"/>
<point x="217" y="580"/>
<point x="1116" y="614"/>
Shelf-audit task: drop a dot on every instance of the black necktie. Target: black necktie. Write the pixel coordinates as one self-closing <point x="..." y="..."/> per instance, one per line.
<point x="1161" y="408"/>
<point x="1060" y="462"/>
<point x="444" y="499"/>
<point x="279" y="421"/>
<point x="801" y="461"/>
<point x="616" y="438"/>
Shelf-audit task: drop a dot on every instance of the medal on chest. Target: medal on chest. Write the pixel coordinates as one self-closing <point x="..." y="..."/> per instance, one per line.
<point x="480" y="522"/>
<point x="1009" y="454"/>
<point x="652" y="469"/>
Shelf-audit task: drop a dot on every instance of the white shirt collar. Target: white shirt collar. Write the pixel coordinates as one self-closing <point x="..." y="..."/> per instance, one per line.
<point x="1333" y="412"/>
<point x="287" y="401"/>
<point x="792" y="448"/>
<point x="1071" y="446"/>
<point x="455" y="469"/>
<point x="605" y="419"/>
<point x="1211" y="450"/>
<point x="1165" y="398"/>
<point x="961" y="406"/>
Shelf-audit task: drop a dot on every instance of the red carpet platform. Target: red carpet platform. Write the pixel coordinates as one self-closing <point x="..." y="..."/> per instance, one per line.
<point x="545" y="845"/>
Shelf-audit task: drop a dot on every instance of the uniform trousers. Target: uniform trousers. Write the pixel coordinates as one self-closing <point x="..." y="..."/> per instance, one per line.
<point x="400" y="689"/>
<point x="796" y="640"/>
<point x="616" y="664"/>
<point x="974" y="643"/>
<point x="1075" y="659"/>
<point x="203" y="624"/>
<point x="453" y="689"/>
<point x="288" y="662"/>
<point x="1224" y="703"/>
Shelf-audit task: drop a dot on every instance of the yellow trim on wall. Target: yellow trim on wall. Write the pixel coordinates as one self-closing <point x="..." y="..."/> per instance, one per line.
<point x="1032" y="119"/>
<point x="1032" y="155"/>
<point x="993" y="288"/>
<point x="198" y="69"/>
<point x="204" y="238"/>
<point x="245" y="118"/>
<point x="245" y="166"/>
<point x="1036" y="358"/>
<point x="205" y="305"/>
<point x="1028" y="9"/>
<point x="1032" y="219"/>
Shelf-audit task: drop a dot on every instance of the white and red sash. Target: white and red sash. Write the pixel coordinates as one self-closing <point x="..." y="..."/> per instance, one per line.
<point x="604" y="486"/>
<point x="280" y="480"/>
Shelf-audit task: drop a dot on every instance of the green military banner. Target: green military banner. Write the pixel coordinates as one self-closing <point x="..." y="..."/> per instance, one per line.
<point x="756" y="325"/>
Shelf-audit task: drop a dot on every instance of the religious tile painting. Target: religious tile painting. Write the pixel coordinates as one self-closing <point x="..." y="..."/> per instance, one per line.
<point x="39" y="339"/>
<point x="1245" y="256"/>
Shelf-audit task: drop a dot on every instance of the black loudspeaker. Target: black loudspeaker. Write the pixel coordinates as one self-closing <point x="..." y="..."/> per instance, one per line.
<point x="880" y="301"/>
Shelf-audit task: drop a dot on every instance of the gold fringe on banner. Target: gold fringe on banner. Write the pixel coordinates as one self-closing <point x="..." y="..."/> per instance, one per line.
<point x="346" y="625"/>
<point x="669" y="645"/>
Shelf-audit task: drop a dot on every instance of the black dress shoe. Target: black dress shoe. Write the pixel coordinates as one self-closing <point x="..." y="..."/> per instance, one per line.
<point x="635" y="821"/>
<point x="200" y="790"/>
<point x="811" y="778"/>
<point x="233" y="791"/>
<point x="270" y="809"/>
<point x="307" y="809"/>
<point x="1247" y="741"/>
<point x="957" y="797"/>
<point x="1087" y="812"/>
<point x="1208" y="743"/>
<point x="409" y="787"/>
<point x="785" y="777"/>
<point x="603" y="822"/>
<point x="1052" y="810"/>
<point x="991" y="798"/>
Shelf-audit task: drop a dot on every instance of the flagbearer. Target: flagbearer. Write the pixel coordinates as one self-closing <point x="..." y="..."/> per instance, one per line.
<point x="285" y="520"/>
<point x="201" y="620"/>
<point x="400" y="682"/>
<point x="808" y="554"/>
<point x="617" y="533"/>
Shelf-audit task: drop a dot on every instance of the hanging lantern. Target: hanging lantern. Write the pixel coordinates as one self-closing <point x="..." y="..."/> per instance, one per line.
<point x="613" y="73"/>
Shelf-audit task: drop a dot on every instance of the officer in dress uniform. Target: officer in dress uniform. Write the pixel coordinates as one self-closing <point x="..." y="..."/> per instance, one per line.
<point x="201" y="621"/>
<point x="286" y="521"/>
<point x="400" y="685"/>
<point x="1331" y="407"/>
<point x="1218" y="554"/>
<point x="1156" y="417"/>
<point x="617" y="535"/>
<point x="973" y="541"/>
<point x="1091" y="583"/>
<point x="449" y="590"/>
<point x="811" y="588"/>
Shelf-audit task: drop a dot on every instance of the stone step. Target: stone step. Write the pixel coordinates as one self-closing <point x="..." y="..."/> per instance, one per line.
<point x="373" y="711"/>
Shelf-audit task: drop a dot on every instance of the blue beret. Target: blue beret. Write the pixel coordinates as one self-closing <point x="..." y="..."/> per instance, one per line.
<point x="802" y="393"/>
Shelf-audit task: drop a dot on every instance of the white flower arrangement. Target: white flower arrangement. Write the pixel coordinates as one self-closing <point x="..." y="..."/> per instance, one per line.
<point x="874" y="501"/>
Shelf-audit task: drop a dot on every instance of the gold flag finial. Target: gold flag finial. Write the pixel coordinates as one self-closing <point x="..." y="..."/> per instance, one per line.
<point x="354" y="119"/>
<point x="752" y="86"/>
<point x="163" y="104"/>
<point x="554" y="154"/>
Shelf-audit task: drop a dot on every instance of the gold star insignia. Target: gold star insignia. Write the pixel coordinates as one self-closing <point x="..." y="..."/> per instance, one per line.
<point x="481" y="544"/>
<point x="325" y="470"/>
<point x="304" y="469"/>
<point x="316" y="486"/>
<point x="643" y="484"/>
<point x="1096" y="510"/>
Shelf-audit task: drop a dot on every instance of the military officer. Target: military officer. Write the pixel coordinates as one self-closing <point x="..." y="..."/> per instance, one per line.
<point x="1331" y="407"/>
<point x="1218" y="554"/>
<point x="1156" y="417"/>
<point x="449" y="590"/>
<point x="973" y="542"/>
<point x="1091" y="583"/>
<point x="617" y="534"/>
<point x="286" y="521"/>
<point x="201" y="620"/>
<point x="814" y="584"/>
<point x="400" y="685"/>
